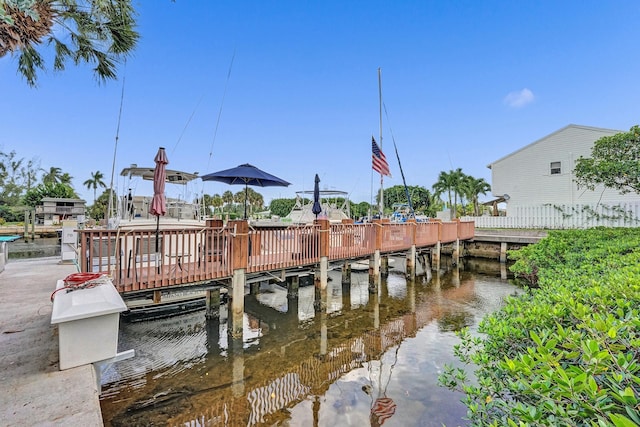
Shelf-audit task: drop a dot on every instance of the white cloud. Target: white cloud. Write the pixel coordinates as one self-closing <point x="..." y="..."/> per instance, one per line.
<point x="519" y="99"/>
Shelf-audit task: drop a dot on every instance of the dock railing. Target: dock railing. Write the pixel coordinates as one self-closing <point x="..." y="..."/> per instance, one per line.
<point x="141" y="260"/>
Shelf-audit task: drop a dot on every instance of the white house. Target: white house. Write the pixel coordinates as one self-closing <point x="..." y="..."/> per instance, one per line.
<point x="542" y="172"/>
<point x="537" y="184"/>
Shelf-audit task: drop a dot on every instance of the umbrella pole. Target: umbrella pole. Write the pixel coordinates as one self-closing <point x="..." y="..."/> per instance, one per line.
<point x="157" y="236"/>
<point x="246" y="189"/>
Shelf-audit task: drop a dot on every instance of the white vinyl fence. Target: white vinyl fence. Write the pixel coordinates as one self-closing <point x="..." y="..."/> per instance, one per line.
<point x="550" y="216"/>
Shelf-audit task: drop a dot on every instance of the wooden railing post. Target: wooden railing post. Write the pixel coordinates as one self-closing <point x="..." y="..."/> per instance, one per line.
<point x="347" y="241"/>
<point x="323" y="241"/>
<point x="240" y="235"/>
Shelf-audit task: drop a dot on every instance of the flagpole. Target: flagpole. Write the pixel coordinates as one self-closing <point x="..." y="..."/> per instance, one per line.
<point x="381" y="198"/>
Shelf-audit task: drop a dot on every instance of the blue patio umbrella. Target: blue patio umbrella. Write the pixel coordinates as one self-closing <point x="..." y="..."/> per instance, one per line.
<point x="316" y="208"/>
<point x="246" y="175"/>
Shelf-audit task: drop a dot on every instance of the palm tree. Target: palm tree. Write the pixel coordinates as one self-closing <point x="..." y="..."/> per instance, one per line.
<point x="94" y="182"/>
<point x="216" y="201"/>
<point x="227" y="198"/>
<point x="54" y="176"/>
<point x="101" y="33"/>
<point x="30" y="173"/>
<point x="473" y="187"/>
<point x="444" y="184"/>
<point x="450" y="182"/>
<point x="65" y="178"/>
<point x="257" y="200"/>
<point x="238" y="199"/>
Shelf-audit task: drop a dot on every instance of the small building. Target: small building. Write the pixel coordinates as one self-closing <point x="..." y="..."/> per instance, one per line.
<point x="52" y="211"/>
<point x="542" y="172"/>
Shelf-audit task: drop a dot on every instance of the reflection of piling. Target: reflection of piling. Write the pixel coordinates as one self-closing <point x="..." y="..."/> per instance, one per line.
<point x="383" y="288"/>
<point x="293" y="309"/>
<point x="237" y="350"/>
<point x="213" y="334"/>
<point x="384" y="266"/>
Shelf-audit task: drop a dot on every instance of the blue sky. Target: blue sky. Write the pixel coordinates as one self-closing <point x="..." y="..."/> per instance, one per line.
<point x="464" y="83"/>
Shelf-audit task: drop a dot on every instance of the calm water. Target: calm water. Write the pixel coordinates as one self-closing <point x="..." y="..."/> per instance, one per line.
<point x="370" y="359"/>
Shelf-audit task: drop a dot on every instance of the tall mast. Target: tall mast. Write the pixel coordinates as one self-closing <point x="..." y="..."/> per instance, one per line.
<point x="110" y="206"/>
<point x="381" y="198"/>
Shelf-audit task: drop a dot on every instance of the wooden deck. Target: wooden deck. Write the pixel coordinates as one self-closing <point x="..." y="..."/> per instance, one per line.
<point x="143" y="260"/>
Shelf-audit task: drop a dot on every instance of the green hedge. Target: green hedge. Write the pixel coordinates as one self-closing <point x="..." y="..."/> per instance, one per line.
<point x="567" y="350"/>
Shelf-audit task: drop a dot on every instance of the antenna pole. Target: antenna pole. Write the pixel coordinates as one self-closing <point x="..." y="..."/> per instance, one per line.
<point x="115" y="150"/>
<point x="381" y="198"/>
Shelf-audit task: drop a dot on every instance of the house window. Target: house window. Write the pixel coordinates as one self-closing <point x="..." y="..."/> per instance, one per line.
<point x="556" y="168"/>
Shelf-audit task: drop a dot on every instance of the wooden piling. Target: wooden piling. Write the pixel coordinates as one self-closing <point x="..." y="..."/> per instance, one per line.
<point x="411" y="263"/>
<point x="346" y="273"/>
<point x="213" y="303"/>
<point x="503" y="252"/>
<point x="293" y="284"/>
<point x="384" y="266"/>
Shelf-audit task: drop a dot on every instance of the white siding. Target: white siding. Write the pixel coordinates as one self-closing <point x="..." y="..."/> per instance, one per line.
<point x="525" y="175"/>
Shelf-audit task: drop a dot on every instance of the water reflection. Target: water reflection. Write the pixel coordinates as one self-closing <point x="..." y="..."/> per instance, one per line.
<point x="366" y="359"/>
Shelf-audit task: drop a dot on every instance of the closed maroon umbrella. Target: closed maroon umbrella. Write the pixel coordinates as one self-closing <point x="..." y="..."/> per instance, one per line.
<point x="159" y="203"/>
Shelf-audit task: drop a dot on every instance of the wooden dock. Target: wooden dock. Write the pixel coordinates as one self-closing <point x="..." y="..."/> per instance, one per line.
<point x="147" y="260"/>
<point x="37" y="231"/>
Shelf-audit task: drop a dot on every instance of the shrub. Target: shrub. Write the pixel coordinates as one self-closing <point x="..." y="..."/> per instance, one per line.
<point x="568" y="351"/>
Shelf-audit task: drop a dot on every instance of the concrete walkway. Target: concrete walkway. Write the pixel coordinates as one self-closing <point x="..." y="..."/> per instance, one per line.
<point x="34" y="392"/>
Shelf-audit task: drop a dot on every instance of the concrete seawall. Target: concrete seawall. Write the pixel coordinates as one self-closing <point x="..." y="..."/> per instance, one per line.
<point x="492" y="243"/>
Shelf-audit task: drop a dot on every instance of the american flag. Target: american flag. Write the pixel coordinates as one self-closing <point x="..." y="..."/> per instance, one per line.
<point x="379" y="161"/>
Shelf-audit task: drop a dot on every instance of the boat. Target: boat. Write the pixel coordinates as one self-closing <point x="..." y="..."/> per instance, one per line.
<point x="403" y="212"/>
<point x="335" y="207"/>
<point x="132" y="210"/>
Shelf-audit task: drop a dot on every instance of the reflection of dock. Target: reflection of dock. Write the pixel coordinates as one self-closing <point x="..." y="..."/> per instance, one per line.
<point x="292" y="359"/>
